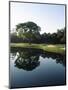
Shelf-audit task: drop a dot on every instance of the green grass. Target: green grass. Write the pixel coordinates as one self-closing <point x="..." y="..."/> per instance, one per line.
<point x="57" y="48"/>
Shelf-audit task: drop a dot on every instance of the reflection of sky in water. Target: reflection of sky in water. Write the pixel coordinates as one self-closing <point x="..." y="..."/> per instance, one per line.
<point x="48" y="72"/>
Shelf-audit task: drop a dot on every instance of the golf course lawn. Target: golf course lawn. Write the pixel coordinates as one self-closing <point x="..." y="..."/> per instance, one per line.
<point x="56" y="48"/>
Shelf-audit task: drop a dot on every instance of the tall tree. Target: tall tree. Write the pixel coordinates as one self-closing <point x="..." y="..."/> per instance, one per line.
<point x="28" y="30"/>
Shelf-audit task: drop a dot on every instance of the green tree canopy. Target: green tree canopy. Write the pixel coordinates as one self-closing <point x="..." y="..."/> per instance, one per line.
<point x="28" y="27"/>
<point x="28" y="30"/>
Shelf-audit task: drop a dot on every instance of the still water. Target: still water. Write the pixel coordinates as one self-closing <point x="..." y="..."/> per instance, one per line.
<point x="32" y="67"/>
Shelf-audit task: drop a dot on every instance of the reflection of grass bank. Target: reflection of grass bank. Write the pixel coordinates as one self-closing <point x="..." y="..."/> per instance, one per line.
<point x="57" y="48"/>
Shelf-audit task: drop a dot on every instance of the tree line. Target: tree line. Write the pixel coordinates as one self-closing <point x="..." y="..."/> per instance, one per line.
<point x="29" y="32"/>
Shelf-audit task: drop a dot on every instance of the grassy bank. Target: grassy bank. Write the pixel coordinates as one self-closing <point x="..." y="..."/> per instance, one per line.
<point x="57" y="48"/>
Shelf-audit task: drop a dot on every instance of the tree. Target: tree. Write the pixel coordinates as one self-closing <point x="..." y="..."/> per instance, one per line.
<point x="28" y="30"/>
<point x="55" y="38"/>
<point x="61" y="35"/>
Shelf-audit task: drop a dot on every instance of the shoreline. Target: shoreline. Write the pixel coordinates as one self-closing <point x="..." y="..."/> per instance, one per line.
<point x="53" y="48"/>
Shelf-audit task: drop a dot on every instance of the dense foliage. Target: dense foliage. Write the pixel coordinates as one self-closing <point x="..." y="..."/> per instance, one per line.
<point x="56" y="38"/>
<point x="30" y="32"/>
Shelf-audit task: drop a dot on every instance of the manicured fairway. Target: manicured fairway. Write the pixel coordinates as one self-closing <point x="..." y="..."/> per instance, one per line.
<point x="57" y="48"/>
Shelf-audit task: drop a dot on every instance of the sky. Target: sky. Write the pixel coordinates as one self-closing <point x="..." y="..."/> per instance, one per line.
<point x="49" y="17"/>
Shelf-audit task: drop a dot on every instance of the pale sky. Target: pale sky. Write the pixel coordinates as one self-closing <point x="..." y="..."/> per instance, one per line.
<point x="49" y="17"/>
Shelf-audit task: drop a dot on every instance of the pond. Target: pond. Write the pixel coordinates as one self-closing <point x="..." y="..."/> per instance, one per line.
<point x="33" y="67"/>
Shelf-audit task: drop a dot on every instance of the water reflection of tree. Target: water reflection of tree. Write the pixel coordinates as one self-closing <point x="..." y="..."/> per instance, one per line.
<point x="58" y="57"/>
<point x="12" y="55"/>
<point x="27" y="60"/>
